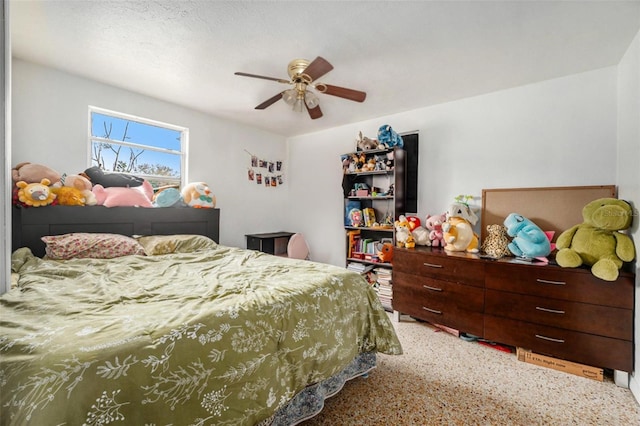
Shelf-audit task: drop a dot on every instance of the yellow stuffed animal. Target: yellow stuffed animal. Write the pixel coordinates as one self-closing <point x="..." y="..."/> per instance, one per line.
<point x="68" y="196"/>
<point x="458" y="229"/>
<point x="35" y="194"/>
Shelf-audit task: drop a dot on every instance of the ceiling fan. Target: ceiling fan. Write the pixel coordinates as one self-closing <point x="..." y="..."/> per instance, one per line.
<point x="302" y="76"/>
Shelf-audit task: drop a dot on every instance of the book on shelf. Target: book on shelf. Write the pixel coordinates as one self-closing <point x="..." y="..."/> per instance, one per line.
<point x="359" y="267"/>
<point x="369" y="215"/>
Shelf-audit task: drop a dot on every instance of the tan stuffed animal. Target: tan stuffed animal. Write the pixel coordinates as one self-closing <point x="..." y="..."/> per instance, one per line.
<point x="34" y="173"/>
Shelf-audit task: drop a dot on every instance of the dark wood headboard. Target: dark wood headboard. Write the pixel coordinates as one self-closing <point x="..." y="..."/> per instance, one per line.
<point x="32" y="223"/>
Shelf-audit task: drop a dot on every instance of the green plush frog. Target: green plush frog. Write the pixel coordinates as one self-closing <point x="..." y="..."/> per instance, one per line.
<point x="597" y="241"/>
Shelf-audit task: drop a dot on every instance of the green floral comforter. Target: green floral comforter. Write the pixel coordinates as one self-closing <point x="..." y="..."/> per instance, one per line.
<point x="219" y="337"/>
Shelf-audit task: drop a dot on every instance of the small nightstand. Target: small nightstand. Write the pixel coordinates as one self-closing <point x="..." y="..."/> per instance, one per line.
<point x="270" y="242"/>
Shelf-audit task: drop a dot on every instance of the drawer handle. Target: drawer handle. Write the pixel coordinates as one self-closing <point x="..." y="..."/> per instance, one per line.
<point x="550" y="282"/>
<point x="553" y="311"/>
<point x="551" y="339"/>
<point x="433" y="311"/>
<point x="432" y="265"/>
<point x="431" y="288"/>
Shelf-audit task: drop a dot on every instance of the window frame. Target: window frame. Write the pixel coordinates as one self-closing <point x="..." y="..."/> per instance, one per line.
<point x="184" y="140"/>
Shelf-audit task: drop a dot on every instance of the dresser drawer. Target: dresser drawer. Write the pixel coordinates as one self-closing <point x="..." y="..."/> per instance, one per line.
<point x="584" y="317"/>
<point x="456" y="268"/>
<point x="576" y="285"/>
<point x="440" y="302"/>
<point x="584" y="348"/>
<point x="439" y="293"/>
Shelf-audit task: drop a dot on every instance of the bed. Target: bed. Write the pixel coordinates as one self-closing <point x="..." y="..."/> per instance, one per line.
<point x="185" y="332"/>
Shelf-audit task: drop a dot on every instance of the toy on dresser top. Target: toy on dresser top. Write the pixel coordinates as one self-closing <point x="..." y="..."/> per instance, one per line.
<point x="598" y="241"/>
<point x="458" y="231"/>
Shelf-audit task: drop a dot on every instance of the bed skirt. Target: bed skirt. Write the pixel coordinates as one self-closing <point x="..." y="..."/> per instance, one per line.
<point x="310" y="401"/>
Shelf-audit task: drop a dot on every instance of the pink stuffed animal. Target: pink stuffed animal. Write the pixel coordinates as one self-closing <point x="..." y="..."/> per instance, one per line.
<point x="434" y="226"/>
<point x="114" y="196"/>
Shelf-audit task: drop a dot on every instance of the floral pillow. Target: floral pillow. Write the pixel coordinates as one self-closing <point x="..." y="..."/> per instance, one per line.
<point x="165" y="244"/>
<point x="90" y="245"/>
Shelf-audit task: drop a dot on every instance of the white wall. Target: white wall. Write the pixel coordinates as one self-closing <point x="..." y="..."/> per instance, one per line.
<point x="560" y="132"/>
<point x="628" y="177"/>
<point x="50" y="110"/>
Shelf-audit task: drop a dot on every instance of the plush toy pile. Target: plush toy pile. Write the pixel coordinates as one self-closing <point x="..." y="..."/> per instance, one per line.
<point x="598" y="242"/>
<point x="37" y="185"/>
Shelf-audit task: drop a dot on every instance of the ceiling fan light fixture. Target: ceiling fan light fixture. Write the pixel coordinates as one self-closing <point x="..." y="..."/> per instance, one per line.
<point x="311" y="100"/>
<point x="290" y="96"/>
<point x="298" y="105"/>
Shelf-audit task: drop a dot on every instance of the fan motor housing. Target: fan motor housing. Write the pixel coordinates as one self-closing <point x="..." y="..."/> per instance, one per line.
<point x="296" y="67"/>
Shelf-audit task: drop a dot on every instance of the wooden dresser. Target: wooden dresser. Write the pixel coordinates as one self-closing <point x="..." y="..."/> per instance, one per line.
<point x="561" y="312"/>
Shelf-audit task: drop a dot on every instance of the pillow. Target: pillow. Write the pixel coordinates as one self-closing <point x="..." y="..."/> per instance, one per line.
<point x="90" y="245"/>
<point x="166" y="244"/>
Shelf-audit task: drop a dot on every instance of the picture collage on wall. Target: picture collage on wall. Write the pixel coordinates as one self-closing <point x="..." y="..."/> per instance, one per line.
<point x="265" y="172"/>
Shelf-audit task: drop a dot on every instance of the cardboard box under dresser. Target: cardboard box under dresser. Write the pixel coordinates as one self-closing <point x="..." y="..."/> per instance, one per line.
<point x="562" y="312"/>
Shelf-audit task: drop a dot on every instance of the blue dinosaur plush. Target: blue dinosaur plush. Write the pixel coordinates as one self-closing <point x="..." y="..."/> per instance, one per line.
<point x="529" y="240"/>
<point x="389" y="137"/>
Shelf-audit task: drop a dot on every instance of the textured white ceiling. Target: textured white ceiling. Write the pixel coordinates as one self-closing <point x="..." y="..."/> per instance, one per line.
<point x="404" y="54"/>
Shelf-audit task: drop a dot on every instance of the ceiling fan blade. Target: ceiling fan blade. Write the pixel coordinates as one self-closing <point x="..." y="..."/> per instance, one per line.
<point x="314" y="112"/>
<point x="343" y="92"/>
<point x="279" y="80"/>
<point x="270" y="101"/>
<point x="317" y="68"/>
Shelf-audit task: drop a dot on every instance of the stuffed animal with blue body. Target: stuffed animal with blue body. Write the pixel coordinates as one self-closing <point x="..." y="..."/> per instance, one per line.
<point x="529" y="240"/>
<point x="389" y="137"/>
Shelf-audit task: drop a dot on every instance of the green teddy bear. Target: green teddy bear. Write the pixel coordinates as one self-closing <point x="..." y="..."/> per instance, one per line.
<point x="596" y="242"/>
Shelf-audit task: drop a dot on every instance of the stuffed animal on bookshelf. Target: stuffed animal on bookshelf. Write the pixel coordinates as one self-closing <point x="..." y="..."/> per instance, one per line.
<point x="385" y="254"/>
<point x="458" y="229"/>
<point x="364" y="143"/>
<point x="37" y="194"/>
<point x="598" y="242"/>
<point x="389" y="137"/>
<point x="118" y="196"/>
<point x="496" y="242"/>
<point x="433" y="224"/>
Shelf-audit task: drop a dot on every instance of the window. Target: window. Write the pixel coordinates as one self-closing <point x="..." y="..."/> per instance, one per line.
<point x="146" y="148"/>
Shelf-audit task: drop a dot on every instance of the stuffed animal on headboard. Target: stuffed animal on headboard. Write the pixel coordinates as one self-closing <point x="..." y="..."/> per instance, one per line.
<point x="35" y="194"/>
<point x="97" y="176"/>
<point x="198" y="195"/>
<point x="34" y="173"/>
<point x="114" y="196"/>
<point x="598" y="242"/>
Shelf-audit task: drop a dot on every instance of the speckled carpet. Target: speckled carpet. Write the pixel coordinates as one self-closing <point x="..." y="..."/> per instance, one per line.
<point x="443" y="380"/>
